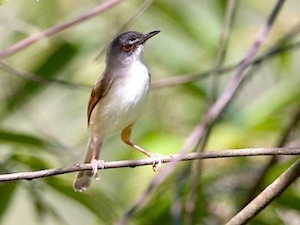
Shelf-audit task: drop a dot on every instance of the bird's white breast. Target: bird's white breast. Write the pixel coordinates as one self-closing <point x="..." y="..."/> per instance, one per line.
<point x="124" y="101"/>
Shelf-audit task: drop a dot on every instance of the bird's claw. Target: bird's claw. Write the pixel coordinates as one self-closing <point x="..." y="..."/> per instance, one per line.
<point x="157" y="162"/>
<point x="97" y="163"/>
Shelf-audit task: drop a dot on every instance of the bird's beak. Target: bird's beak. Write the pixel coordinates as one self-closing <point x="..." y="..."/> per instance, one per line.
<point x="148" y="35"/>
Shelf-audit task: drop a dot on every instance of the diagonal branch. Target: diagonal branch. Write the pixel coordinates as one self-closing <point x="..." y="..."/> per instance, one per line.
<point x="284" y="136"/>
<point x="56" y="29"/>
<point x="142" y="162"/>
<point x="267" y="196"/>
<point x="38" y="79"/>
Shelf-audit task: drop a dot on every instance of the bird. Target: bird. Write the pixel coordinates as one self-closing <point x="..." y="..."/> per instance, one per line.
<point x="117" y="100"/>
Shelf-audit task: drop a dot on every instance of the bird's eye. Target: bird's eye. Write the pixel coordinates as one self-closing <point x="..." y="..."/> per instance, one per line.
<point x="127" y="48"/>
<point x="133" y="38"/>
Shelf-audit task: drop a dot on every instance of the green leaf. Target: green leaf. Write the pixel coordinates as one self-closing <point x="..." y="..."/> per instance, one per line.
<point x="22" y="138"/>
<point x="3" y="1"/>
<point x="51" y="67"/>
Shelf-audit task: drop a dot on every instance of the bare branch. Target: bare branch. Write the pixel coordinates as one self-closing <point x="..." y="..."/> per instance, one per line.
<point x="222" y="49"/>
<point x="284" y="136"/>
<point x="53" y="30"/>
<point x="38" y="79"/>
<point x="267" y="196"/>
<point x="149" y="161"/>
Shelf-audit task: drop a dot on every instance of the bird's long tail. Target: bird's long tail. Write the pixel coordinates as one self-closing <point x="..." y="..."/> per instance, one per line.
<point x="84" y="178"/>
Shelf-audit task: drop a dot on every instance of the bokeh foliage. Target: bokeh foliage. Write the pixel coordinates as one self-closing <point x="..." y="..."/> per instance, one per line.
<point x="43" y="124"/>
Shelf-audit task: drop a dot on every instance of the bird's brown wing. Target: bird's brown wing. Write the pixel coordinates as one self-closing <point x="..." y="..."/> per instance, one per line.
<point x="99" y="91"/>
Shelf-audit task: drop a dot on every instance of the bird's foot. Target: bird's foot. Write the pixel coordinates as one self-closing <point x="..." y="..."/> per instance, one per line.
<point x="157" y="162"/>
<point x="97" y="163"/>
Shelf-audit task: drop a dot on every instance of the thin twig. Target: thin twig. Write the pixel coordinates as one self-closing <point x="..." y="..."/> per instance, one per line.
<point x="267" y="196"/>
<point x="54" y="30"/>
<point x="192" y="77"/>
<point x="222" y="48"/>
<point x="284" y="135"/>
<point x="38" y="79"/>
<point x="142" y="162"/>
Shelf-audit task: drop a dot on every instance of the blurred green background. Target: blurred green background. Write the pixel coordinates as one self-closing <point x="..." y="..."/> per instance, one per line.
<point x="43" y="124"/>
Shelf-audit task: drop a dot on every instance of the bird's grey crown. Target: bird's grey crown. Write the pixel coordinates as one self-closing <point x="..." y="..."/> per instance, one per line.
<point x="127" y="47"/>
<point x="128" y="38"/>
<point x="115" y="53"/>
